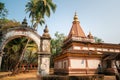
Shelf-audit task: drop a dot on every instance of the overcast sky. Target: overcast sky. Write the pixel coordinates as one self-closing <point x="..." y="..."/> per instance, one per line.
<point x="100" y="17"/>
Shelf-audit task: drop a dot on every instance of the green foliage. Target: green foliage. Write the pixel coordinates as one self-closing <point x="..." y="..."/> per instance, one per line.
<point x="38" y="9"/>
<point x="3" y="10"/>
<point x="30" y="55"/>
<point x="13" y="50"/>
<point x="12" y="53"/>
<point x="56" y="46"/>
<point x="98" y="40"/>
<point x="56" y="43"/>
<point x="6" y="24"/>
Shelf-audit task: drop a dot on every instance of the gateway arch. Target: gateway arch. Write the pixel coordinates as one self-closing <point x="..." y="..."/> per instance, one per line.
<point x="43" y="44"/>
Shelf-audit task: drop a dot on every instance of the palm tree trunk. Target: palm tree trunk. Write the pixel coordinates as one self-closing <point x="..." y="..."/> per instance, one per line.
<point x="20" y="59"/>
<point x="28" y="63"/>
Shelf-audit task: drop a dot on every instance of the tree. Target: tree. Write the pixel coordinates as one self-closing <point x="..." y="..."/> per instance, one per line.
<point x="37" y="13"/>
<point x="98" y="40"/>
<point x="38" y="9"/>
<point x="56" y="45"/>
<point x="6" y="24"/>
<point x="3" y="10"/>
<point x="13" y="50"/>
<point x="31" y="54"/>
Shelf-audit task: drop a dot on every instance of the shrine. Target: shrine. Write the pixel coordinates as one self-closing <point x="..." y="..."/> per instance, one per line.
<point x="82" y="55"/>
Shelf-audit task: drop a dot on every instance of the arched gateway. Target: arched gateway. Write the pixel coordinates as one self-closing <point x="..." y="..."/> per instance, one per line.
<point x="43" y="44"/>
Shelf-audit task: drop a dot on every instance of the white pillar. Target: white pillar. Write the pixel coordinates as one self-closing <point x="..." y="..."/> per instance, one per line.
<point x="45" y="53"/>
<point x="44" y="64"/>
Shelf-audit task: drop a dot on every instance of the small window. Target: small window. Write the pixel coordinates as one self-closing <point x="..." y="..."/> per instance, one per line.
<point x="65" y="65"/>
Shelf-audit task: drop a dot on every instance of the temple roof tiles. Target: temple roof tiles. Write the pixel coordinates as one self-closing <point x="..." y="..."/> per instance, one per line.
<point x="76" y="30"/>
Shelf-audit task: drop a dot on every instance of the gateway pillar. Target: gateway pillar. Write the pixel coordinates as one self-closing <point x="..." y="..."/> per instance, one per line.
<point x="44" y="55"/>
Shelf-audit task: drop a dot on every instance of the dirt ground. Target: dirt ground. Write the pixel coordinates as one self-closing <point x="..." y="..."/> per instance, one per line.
<point x="33" y="76"/>
<point x="22" y="76"/>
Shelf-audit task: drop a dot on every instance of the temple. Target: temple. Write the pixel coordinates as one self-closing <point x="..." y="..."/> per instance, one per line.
<point x="82" y="55"/>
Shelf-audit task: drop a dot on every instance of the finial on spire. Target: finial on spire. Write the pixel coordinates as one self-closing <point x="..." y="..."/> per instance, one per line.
<point x="75" y="13"/>
<point x="76" y="17"/>
<point x="90" y="36"/>
<point x="46" y="34"/>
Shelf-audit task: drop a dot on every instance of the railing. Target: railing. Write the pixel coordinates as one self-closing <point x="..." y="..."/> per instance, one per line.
<point x="26" y="68"/>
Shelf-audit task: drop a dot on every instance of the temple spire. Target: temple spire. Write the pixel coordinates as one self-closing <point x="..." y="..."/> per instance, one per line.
<point x="76" y="29"/>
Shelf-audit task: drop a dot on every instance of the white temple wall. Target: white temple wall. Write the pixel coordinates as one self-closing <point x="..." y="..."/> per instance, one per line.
<point x="82" y="63"/>
<point x="93" y="63"/>
<point x="78" y="63"/>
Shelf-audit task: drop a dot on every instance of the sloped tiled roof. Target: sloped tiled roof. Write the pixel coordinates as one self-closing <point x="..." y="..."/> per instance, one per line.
<point x="76" y="30"/>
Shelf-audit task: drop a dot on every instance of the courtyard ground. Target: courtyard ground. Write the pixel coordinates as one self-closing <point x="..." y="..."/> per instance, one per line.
<point x="32" y="76"/>
<point x="20" y="76"/>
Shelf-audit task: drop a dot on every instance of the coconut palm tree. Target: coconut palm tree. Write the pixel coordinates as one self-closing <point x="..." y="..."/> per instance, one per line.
<point x="21" y="57"/>
<point x="30" y="55"/>
<point x="38" y="9"/>
<point x="3" y="10"/>
<point x="31" y="8"/>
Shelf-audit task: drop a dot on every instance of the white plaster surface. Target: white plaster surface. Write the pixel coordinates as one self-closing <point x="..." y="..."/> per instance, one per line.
<point x="104" y="49"/>
<point x="46" y="46"/>
<point x="77" y="48"/>
<point x="93" y="63"/>
<point x="45" y="66"/>
<point x="78" y="63"/>
<point x="91" y="48"/>
<point x="29" y="34"/>
<point x="85" y="48"/>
